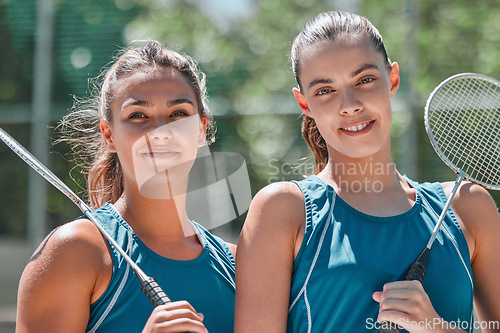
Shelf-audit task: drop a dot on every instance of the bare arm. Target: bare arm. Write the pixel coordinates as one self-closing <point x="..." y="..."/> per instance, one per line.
<point x="266" y="250"/>
<point x="63" y="277"/>
<point x="479" y="215"/>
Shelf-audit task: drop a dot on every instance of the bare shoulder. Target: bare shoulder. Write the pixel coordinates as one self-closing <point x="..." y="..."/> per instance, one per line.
<point x="69" y="271"/>
<point x="79" y="238"/>
<point x="469" y="191"/>
<point x="281" y="202"/>
<point x="73" y="252"/>
<point x="276" y="216"/>
<point x="279" y="194"/>
<point x="476" y="211"/>
<point x="472" y="202"/>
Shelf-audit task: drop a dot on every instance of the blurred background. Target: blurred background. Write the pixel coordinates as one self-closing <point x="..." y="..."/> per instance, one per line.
<point x="51" y="49"/>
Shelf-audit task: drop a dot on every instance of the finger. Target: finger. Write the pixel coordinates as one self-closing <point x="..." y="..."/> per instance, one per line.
<point x="377" y="296"/>
<point x="402" y="285"/>
<point x="175" y="310"/>
<point x="402" y="306"/>
<point x="177" y="305"/>
<point x="393" y="316"/>
<point x="181" y="325"/>
<point x="164" y="315"/>
<point x="414" y="296"/>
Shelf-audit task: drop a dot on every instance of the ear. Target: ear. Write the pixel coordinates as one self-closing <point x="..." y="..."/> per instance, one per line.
<point x="106" y="133"/>
<point x="394" y="79"/>
<point x="202" y="138"/>
<point x="301" y="101"/>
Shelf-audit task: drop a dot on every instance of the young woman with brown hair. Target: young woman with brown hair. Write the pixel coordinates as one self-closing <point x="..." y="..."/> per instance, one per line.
<point x="326" y="253"/>
<point x="142" y="136"/>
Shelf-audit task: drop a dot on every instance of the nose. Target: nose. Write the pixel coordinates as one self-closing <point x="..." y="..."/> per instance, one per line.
<point x="350" y="102"/>
<point x="161" y="133"/>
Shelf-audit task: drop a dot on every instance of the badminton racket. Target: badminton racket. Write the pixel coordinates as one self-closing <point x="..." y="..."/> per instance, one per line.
<point x="462" y="120"/>
<point x="148" y="284"/>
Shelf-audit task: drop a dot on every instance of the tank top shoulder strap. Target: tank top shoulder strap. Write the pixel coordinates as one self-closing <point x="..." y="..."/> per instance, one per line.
<point x="318" y="196"/>
<point x="434" y="198"/>
<point x="319" y="201"/>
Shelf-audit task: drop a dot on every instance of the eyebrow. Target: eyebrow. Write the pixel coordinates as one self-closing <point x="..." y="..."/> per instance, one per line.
<point x="146" y="103"/>
<point x="364" y="68"/>
<point x="181" y="101"/>
<point x="318" y="81"/>
<point x="353" y="74"/>
<point x="134" y="102"/>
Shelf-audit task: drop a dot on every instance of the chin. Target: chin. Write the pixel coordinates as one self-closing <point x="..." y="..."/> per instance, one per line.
<point x="367" y="151"/>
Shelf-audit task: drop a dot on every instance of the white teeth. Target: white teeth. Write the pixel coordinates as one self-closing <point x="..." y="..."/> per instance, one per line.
<point x="356" y="128"/>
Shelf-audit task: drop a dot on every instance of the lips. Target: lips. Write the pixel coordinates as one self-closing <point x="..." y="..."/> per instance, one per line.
<point x="160" y="153"/>
<point x="163" y="154"/>
<point x="357" y="127"/>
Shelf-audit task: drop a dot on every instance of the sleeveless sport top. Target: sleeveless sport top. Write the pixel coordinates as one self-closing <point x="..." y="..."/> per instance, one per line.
<point x="206" y="282"/>
<point x="347" y="255"/>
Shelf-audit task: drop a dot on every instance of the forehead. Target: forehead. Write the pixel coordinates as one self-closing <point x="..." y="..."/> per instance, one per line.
<point x="167" y="82"/>
<point x="343" y="54"/>
<point x="153" y="86"/>
<point x="152" y="76"/>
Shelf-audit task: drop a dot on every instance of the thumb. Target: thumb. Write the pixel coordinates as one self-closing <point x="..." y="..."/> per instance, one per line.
<point x="377" y="296"/>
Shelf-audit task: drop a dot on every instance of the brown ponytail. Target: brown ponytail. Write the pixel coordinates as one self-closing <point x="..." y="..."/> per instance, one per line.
<point x="316" y="142"/>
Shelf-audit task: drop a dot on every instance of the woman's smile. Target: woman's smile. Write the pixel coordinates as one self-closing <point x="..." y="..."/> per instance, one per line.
<point x="357" y="128"/>
<point x="157" y="154"/>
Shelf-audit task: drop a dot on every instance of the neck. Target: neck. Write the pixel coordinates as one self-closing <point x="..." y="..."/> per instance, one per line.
<point x="369" y="173"/>
<point x="158" y="218"/>
<point x="370" y="184"/>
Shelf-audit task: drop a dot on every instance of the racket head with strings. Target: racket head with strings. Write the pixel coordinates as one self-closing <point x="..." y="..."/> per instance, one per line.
<point x="462" y="120"/>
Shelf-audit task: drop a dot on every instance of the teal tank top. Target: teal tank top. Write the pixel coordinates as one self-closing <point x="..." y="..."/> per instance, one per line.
<point x="347" y="255"/>
<point x="206" y="282"/>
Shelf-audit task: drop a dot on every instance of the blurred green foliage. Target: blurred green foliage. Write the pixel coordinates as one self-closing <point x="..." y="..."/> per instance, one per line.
<point x="246" y="58"/>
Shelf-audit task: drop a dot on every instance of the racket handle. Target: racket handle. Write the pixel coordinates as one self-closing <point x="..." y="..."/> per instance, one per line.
<point x="415" y="272"/>
<point x="154" y="292"/>
<point x="418" y="268"/>
<point x="388" y="327"/>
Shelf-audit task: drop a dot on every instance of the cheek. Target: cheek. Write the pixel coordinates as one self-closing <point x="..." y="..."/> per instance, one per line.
<point x="190" y="146"/>
<point x="325" y="121"/>
<point x="329" y="134"/>
<point x="124" y="153"/>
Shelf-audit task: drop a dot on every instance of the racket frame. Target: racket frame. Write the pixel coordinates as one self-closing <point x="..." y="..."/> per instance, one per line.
<point x="430" y="134"/>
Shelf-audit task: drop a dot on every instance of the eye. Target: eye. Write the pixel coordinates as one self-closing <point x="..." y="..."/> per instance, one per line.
<point x="323" y="91"/>
<point x="366" y="80"/>
<point x="178" y="113"/>
<point x="137" y="115"/>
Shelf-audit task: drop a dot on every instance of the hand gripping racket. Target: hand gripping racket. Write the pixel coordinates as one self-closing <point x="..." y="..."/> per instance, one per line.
<point x="462" y="120"/>
<point x="148" y="284"/>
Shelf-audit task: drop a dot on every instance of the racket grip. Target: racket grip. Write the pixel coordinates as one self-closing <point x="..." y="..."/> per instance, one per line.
<point x="418" y="268"/>
<point x="154" y="292"/>
<point x="388" y="327"/>
<point x="415" y="272"/>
